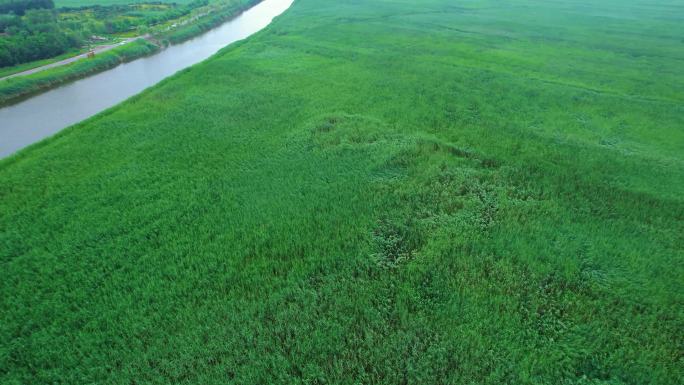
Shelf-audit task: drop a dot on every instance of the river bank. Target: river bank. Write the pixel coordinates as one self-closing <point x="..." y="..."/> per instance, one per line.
<point x="78" y="100"/>
<point x="16" y="88"/>
<point x="81" y="54"/>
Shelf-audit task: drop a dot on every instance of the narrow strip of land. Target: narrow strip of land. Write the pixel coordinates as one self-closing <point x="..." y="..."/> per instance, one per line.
<point x="95" y="50"/>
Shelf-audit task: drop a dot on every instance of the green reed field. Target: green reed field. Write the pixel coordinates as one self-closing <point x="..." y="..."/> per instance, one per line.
<point x="368" y="192"/>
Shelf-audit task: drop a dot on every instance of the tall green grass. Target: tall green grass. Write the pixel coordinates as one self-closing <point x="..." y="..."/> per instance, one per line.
<point x="374" y="192"/>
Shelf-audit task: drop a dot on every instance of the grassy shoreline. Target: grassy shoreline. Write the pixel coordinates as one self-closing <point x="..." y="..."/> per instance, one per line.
<point x="16" y="89"/>
<point x="28" y="66"/>
<point x="19" y="88"/>
<point x="205" y="23"/>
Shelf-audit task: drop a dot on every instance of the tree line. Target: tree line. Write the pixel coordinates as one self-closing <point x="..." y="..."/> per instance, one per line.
<point x="33" y="29"/>
<point x="19" y="7"/>
<point x="34" y="36"/>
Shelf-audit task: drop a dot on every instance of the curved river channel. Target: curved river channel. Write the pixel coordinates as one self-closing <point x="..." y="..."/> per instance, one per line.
<point x="43" y="115"/>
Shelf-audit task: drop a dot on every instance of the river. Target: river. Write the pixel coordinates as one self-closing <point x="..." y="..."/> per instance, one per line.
<point x="45" y="114"/>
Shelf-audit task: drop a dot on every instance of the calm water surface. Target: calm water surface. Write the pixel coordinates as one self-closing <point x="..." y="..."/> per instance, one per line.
<point x="44" y="115"/>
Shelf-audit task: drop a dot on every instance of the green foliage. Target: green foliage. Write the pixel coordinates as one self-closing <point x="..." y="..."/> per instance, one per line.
<point x="19" y="7"/>
<point x="206" y="23"/>
<point x="43" y="34"/>
<point x="27" y="66"/>
<point x="374" y="192"/>
<point x="173" y="13"/>
<point x="88" y="3"/>
<point x="35" y="36"/>
<point x="16" y="88"/>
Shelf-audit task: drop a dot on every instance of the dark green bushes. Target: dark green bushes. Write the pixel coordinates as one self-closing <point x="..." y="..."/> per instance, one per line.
<point x="19" y="7"/>
<point x="41" y="34"/>
<point x="35" y="36"/>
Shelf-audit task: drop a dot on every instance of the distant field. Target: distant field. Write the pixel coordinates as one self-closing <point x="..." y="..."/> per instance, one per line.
<point x="368" y="192"/>
<point x="80" y="3"/>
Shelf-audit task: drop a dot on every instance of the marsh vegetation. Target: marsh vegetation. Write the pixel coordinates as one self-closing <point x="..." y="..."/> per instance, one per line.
<point x="375" y="192"/>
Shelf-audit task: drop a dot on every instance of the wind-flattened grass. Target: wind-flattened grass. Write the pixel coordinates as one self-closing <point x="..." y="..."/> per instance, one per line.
<point x="377" y="192"/>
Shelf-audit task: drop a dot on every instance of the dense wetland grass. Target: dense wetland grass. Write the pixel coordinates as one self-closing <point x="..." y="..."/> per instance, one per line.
<point x="368" y="192"/>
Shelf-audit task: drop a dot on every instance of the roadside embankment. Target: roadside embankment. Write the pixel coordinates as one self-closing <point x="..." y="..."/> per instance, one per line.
<point x="15" y="89"/>
<point x="205" y="23"/>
